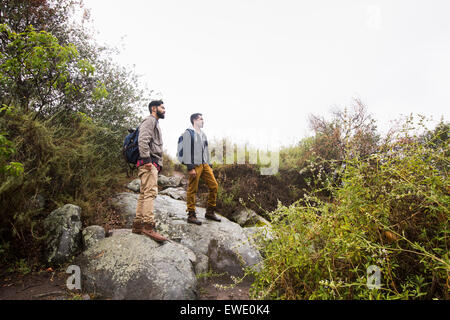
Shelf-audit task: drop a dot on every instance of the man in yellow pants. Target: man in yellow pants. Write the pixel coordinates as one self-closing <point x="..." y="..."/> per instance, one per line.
<point x="196" y="157"/>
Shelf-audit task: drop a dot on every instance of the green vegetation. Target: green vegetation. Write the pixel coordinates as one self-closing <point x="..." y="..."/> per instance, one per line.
<point x="64" y="111"/>
<point x="344" y="199"/>
<point x="21" y="267"/>
<point x="348" y="198"/>
<point x="209" y="274"/>
<point x="389" y="209"/>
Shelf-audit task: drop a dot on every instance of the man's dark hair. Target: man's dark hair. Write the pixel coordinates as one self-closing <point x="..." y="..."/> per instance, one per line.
<point x="156" y="103"/>
<point x="195" y="117"/>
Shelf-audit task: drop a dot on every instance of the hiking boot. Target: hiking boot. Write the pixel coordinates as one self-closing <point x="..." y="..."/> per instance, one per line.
<point x="149" y="231"/>
<point x="137" y="227"/>
<point x="211" y="215"/>
<point x="192" y="218"/>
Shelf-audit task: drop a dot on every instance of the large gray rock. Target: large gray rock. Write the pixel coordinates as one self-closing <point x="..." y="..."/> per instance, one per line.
<point x="175" y="193"/>
<point x="91" y="235"/>
<point x="166" y="182"/>
<point x="64" y="234"/>
<point x="224" y="245"/>
<point x="135" y="185"/>
<point x="163" y="181"/>
<point x="125" y="203"/>
<point x="249" y="218"/>
<point x="130" y="266"/>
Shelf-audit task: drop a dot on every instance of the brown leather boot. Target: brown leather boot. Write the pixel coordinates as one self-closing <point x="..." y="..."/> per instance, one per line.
<point x="149" y="231"/>
<point x="137" y="227"/>
<point x="192" y="218"/>
<point x="211" y="215"/>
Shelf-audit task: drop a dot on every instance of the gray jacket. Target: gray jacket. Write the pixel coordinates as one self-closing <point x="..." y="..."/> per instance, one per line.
<point x="150" y="141"/>
<point x="195" y="152"/>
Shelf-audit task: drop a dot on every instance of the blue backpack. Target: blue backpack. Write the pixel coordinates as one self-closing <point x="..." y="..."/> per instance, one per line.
<point x="130" y="148"/>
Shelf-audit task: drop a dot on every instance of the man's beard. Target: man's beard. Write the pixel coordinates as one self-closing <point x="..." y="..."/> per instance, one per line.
<point x="160" y="115"/>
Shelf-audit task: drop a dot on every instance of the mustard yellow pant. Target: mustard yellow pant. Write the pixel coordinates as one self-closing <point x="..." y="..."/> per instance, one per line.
<point x="147" y="195"/>
<point x="205" y="173"/>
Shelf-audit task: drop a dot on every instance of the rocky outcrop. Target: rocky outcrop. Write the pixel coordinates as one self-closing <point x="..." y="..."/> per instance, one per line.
<point x="91" y="235"/>
<point x="64" y="234"/>
<point x="249" y="218"/>
<point x="135" y="185"/>
<point x="123" y="265"/>
<point x="130" y="266"/>
<point x="125" y="204"/>
<point x="166" y="182"/>
<point x="223" y="244"/>
<point x="175" y="193"/>
<point x="163" y="182"/>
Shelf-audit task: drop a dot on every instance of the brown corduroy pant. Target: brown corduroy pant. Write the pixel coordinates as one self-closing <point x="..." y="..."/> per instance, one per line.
<point x="205" y="173"/>
<point x="147" y="195"/>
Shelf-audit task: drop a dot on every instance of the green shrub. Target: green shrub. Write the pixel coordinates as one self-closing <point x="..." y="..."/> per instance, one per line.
<point x="391" y="210"/>
<point x="65" y="108"/>
<point x="66" y="160"/>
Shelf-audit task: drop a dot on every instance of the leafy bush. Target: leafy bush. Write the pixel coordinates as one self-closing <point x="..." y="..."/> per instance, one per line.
<point x="65" y="110"/>
<point x="69" y="160"/>
<point x="318" y="159"/>
<point x="391" y="210"/>
<point x="37" y="73"/>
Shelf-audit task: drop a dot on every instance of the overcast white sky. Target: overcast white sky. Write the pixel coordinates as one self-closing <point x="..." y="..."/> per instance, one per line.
<point x="256" y="68"/>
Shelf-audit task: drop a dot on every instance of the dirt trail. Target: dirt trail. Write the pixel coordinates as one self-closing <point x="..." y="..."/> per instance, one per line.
<point x="51" y="285"/>
<point x="42" y="285"/>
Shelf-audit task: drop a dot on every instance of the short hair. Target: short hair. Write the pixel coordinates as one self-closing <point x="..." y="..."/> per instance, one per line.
<point x="195" y="117"/>
<point x="155" y="103"/>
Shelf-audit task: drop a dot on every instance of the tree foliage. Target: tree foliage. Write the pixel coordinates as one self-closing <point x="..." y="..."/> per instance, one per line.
<point x="37" y="73"/>
<point x="65" y="107"/>
<point x="48" y="15"/>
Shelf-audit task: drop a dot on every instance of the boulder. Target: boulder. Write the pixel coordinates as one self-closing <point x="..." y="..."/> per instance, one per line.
<point x="64" y="234"/>
<point x="224" y="244"/>
<point x="91" y="235"/>
<point x="135" y="185"/>
<point x="130" y="266"/>
<point x="175" y="193"/>
<point x="125" y="203"/>
<point x="249" y="218"/>
<point x="166" y="182"/>
<point x="163" y="182"/>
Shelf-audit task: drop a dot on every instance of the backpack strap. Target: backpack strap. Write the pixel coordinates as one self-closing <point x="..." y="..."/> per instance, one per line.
<point x="192" y="144"/>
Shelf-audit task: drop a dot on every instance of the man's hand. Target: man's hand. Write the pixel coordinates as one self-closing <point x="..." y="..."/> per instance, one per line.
<point x="192" y="173"/>
<point x="148" y="166"/>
